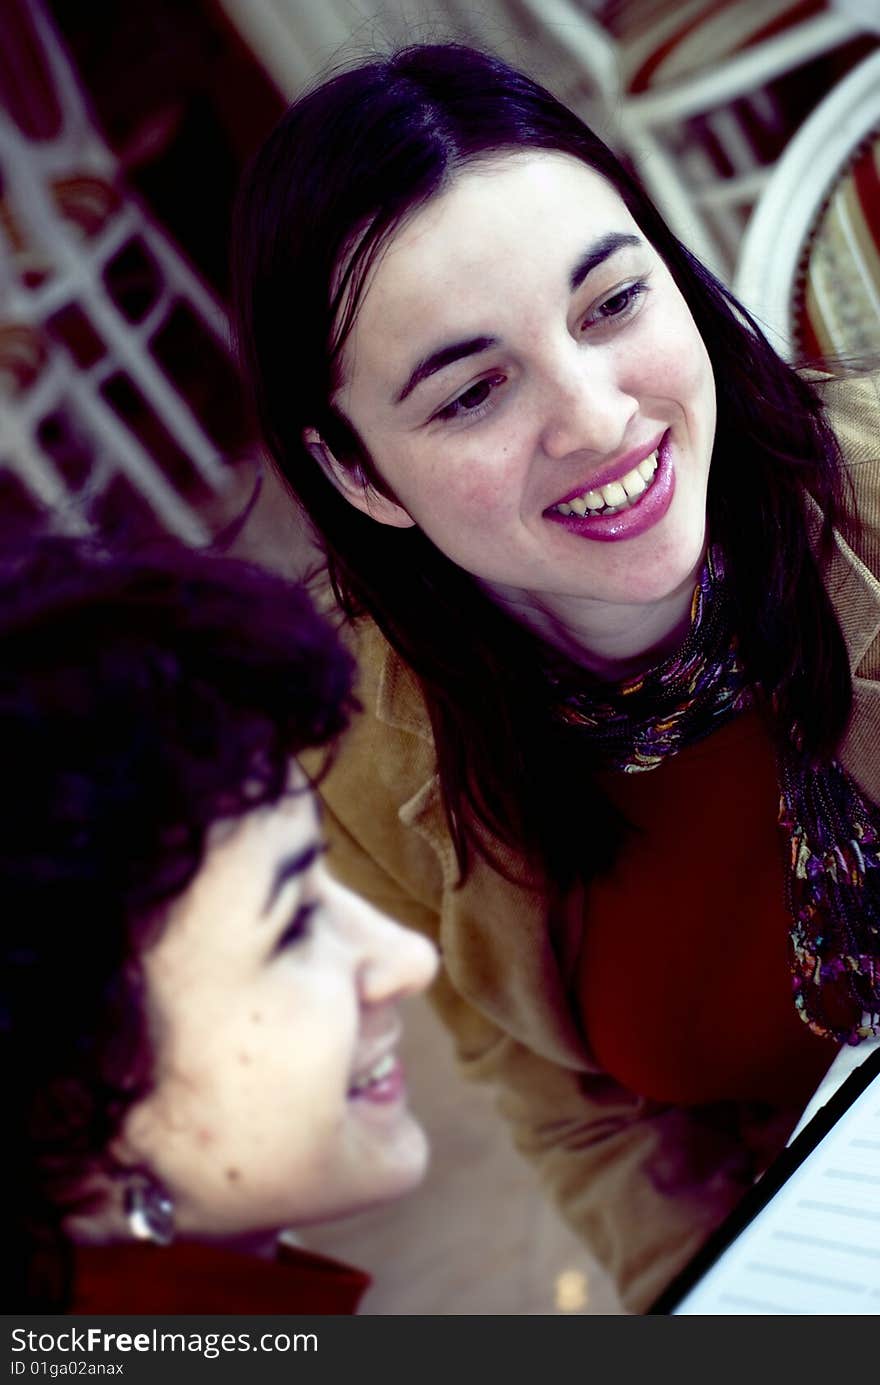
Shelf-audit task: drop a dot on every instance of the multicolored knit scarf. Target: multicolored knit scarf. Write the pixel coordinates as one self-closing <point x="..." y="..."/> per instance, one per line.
<point x="832" y="832"/>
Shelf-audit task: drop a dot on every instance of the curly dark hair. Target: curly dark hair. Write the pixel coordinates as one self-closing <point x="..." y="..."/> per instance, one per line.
<point x="141" y="699"/>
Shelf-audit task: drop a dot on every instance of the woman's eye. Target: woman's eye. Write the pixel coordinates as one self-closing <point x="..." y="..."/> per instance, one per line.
<point x="298" y="928"/>
<point x="621" y="302"/>
<point x="475" y="396"/>
<point x="473" y="400"/>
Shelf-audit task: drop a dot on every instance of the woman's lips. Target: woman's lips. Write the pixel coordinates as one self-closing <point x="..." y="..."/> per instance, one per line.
<point x="647" y="510"/>
<point x="387" y="1088"/>
<point x="618" y="469"/>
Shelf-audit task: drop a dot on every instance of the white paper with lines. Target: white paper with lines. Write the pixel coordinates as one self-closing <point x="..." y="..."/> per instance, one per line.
<point x="815" y="1247"/>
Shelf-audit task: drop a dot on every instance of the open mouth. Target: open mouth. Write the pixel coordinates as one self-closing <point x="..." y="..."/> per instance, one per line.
<point x="616" y="496"/>
<point x="384" y="1073"/>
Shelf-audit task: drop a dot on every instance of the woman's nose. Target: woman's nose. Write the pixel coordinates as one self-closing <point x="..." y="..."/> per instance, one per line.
<point x="392" y="961"/>
<point x="585" y="408"/>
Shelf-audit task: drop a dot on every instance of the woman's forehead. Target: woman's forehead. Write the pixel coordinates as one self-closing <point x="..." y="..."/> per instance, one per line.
<point x="510" y="190"/>
<point x="501" y="226"/>
<point x="496" y="184"/>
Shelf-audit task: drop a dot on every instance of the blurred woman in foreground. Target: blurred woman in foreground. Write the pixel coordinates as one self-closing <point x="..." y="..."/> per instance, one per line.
<point x="198" y="1025"/>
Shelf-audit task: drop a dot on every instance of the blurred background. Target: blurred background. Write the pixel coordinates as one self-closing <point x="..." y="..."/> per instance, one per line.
<point x="124" y="126"/>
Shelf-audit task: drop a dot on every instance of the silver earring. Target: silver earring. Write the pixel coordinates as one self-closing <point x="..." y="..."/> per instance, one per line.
<point x="149" y="1210"/>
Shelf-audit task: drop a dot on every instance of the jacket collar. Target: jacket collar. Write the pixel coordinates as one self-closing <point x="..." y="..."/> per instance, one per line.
<point x="854" y="592"/>
<point x="398" y="698"/>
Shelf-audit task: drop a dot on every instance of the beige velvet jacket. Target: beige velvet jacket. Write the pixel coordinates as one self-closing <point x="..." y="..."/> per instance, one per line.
<point x="643" y="1184"/>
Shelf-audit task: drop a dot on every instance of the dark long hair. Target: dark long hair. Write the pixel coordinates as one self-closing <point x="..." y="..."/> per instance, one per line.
<point x="140" y="701"/>
<point x="343" y="169"/>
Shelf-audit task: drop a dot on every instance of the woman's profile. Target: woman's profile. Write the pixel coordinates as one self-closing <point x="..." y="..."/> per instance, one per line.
<point x="608" y="566"/>
<point x="199" y="1025"/>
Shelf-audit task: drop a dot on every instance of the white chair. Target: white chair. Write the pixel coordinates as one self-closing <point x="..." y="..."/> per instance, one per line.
<point x="67" y="223"/>
<point x="692" y="90"/>
<point x="809" y="268"/>
<point x="682" y="90"/>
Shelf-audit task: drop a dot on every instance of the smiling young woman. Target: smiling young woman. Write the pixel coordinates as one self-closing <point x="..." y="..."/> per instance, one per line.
<point x="582" y="522"/>
<point x="512" y="450"/>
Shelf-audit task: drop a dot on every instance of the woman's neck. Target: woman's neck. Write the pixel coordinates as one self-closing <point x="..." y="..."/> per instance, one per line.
<point x="611" y="641"/>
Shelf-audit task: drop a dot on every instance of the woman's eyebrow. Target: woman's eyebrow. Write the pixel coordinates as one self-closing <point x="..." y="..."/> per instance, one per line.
<point x="292" y="865"/>
<point x="438" y="360"/>
<point x="600" y="251"/>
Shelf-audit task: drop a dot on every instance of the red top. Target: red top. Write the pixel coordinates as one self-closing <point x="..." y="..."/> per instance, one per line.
<point x="683" y="976"/>
<point x="191" y="1277"/>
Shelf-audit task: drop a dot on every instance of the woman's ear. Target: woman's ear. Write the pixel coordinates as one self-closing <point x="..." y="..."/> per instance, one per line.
<point x="351" y="483"/>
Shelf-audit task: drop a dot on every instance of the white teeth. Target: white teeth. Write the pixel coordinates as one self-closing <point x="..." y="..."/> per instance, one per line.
<point x="617" y="495"/>
<point x="375" y="1074"/>
<point x="634" y="484"/>
<point x="613" y="494"/>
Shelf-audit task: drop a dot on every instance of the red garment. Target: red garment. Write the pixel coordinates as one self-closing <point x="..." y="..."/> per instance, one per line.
<point x="192" y="1277"/>
<point x="683" y="977"/>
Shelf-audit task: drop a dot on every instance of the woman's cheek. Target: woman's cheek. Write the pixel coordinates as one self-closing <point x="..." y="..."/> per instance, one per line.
<point x="469" y="486"/>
